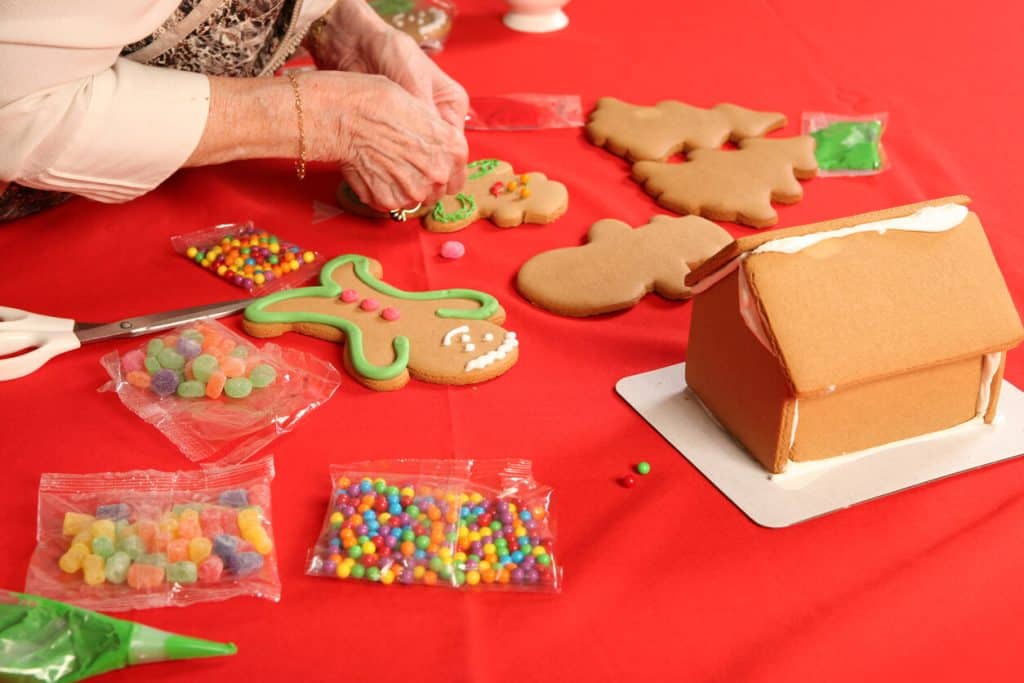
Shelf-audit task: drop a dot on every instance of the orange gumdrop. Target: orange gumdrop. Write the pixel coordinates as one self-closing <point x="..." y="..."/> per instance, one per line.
<point x="138" y="378"/>
<point x="233" y="367"/>
<point x="430" y="578"/>
<point x="215" y="384"/>
<point x="211" y="340"/>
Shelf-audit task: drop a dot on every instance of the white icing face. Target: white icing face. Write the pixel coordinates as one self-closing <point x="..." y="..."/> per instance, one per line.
<point x="450" y="335"/>
<point x="490" y="357"/>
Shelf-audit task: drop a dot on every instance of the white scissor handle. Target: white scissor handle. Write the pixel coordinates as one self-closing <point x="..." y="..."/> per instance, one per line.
<point x="45" y="335"/>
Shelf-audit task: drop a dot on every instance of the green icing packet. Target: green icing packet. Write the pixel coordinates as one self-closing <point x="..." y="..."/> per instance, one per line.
<point x="847" y="145"/>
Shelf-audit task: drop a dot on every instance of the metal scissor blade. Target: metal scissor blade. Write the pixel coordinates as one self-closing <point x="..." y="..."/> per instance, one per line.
<point x="145" y="324"/>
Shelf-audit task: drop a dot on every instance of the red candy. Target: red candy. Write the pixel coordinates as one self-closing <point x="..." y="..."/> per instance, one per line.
<point x="497" y="187"/>
<point x="390" y="314"/>
<point x="211" y="569"/>
<point x="369" y="304"/>
<point x="628" y="481"/>
<point x="349" y="295"/>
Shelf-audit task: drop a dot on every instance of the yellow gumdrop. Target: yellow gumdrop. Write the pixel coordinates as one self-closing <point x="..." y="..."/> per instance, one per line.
<point x="199" y="549"/>
<point x="387" y="577"/>
<point x="76" y="522"/>
<point x="344" y="570"/>
<point x="249" y="517"/>
<point x="475" y="497"/>
<point x="103" y="527"/>
<point x="92" y="570"/>
<point x="71" y="561"/>
<point x="83" y="537"/>
<point x="259" y="538"/>
<point x="189" y="513"/>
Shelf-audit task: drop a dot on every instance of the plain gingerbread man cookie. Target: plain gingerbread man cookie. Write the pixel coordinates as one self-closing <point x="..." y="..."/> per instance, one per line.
<point x="619" y="265"/>
<point x="733" y="185"/>
<point x="655" y="133"/>
<point x="451" y="336"/>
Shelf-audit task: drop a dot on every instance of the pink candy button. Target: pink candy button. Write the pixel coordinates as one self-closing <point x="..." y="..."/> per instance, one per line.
<point x="453" y="249"/>
<point x="349" y="295"/>
<point x="390" y="314"/>
<point x="369" y="304"/>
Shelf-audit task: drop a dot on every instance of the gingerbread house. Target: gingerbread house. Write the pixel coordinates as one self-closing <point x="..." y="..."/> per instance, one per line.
<point x="841" y="336"/>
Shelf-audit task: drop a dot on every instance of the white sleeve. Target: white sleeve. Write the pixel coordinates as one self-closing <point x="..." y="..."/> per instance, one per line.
<point x="74" y="117"/>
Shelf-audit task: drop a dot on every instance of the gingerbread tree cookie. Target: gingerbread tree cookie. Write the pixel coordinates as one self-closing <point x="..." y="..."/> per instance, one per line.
<point x="493" y="190"/>
<point x="655" y="133"/>
<point x="733" y="185"/>
<point x="451" y="336"/>
<point x="619" y="265"/>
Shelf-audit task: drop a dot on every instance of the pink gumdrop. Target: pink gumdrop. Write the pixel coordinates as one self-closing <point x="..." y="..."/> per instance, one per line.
<point x="210" y="569"/>
<point x="390" y="314"/>
<point x="259" y="494"/>
<point x="349" y="295"/>
<point x="369" y="304"/>
<point x="133" y="361"/>
<point x="453" y="249"/>
<point x="229" y="520"/>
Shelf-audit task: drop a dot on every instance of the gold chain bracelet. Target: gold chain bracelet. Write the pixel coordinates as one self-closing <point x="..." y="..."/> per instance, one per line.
<point x="300" y="163"/>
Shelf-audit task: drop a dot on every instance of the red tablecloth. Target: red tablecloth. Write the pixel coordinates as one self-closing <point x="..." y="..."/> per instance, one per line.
<point x="667" y="581"/>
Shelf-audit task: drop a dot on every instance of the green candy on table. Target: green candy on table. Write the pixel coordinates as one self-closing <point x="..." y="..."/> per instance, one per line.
<point x="203" y="366"/>
<point x="238" y="387"/>
<point x="116" y="569"/>
<point x="132" y="546"/>
<point x="154" y="346"/>
<point x="171" y="359"/>
<point x="262" y="375"/>
<point x="191" y="389"/>
<point x="182" y="572"/>
<point x="102" y="546"/>
<point x="849" y="146"/>
<point x="152" y="365"/>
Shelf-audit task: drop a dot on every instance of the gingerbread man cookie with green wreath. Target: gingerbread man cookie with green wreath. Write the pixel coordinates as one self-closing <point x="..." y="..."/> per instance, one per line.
<point x="493" y="190"/>
<point x="450" y="336"/>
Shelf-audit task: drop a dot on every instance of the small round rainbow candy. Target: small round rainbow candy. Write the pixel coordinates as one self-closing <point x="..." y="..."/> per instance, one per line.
<point x="250" y="258"/>
<point x="193" y="542"/>
<point x="418" y="534"/>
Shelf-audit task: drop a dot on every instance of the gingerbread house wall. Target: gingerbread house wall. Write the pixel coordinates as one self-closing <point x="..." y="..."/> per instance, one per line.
<point x="736" y="377"/>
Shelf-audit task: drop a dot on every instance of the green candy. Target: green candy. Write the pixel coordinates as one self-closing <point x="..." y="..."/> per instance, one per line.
<point x="154" y="347"/>
<point x="182" y="572"/>
<point x="116" y="568"/>
<point x="191" y="389"/>
<point x="262" y="375"/>
<point x="240" y="352"/>
<point x="355" y="552"/>
<point x="422" y="542"/>
<point x="643" y="468"/>
<point x="203" y="366"/>
<point x="358" y="571"/>
<point x="460" y="577"/>
<point x="102" y="546"/>
<point x="436" y="564"/>
<point x="155" y="559"/>
<point x="170" y="359"/>
<point x="238" y="387"/>
<point x="152" y="365"/>
<point x="373" y="574"/>
<point x="543" y="560"/>
<point x="194" y="335"/>
<point x="849" y="146"/>
<point x="132" y="546"/>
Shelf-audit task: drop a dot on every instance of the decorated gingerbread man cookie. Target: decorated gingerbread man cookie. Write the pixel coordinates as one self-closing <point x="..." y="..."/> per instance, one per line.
<point x="493" y="190"/>
<point x="451" y="336"/>
<point x="619" y="265"/>
<point x="655" y="133"/>
<point x="733" y="185"/>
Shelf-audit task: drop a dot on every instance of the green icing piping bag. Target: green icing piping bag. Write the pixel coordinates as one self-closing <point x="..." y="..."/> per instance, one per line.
<point x="45" y="640"/>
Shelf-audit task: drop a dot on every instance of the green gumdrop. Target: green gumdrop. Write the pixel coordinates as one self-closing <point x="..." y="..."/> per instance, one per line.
<point x="154" y="347"/>
<point x="358" y="571"/>
<point x="204" y="366"/>
<point x="191" y="389"/>
<point x="240" y="352"/>
<point x="238" y="387"/>
<point x="155" y="559"/>
<point x="262" y="375"/>
<point x="152" y="364"/>
<point x="116" y="569"/>
<point x="194" y="335"/>
<point x="182" y="572"/>
<point x="132" y="546"/>
<point x="102" y="546"/>
<point x="171" y="359"/>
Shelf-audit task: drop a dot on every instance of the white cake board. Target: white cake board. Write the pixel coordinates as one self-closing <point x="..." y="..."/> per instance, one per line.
<point x="661" y="398"/>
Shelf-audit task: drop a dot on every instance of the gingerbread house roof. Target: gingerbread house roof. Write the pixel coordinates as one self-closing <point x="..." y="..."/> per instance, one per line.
<point x="854" y="307"/>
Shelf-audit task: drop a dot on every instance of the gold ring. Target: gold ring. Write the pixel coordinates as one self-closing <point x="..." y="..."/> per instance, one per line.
<point x="401" y="215"/>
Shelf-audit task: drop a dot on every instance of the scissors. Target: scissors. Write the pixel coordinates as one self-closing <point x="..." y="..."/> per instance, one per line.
<point x="44" y="337"/>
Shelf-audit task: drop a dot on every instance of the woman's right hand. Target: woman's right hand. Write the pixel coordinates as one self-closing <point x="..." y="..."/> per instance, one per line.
<point x="393" y="150"/>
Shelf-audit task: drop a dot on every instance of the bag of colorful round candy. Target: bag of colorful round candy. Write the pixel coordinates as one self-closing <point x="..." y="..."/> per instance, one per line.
<point x="213" y="393"/>
<point x="468" y="524"/>
<point x="115" y="541"/>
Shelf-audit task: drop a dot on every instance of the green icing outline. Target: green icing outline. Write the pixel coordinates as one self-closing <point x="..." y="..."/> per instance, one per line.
<point x="328" y="288"/>
<point x="483" y="166"/>
<point x="467" y="205"/>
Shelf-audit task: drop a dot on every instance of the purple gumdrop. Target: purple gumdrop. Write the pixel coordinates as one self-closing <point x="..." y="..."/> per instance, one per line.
<point x="404" y="518"/>
<point x="407" y="576"/>
<point x="330" y="567"/>
<point x="234" y="498"/>
<point x="518" y="575"/>
<point x="390" y="541"/>
<point x="114" y="511"/>
<point x="527" y="562"/>
<point x="532" y="576"/>
<point x="225" y="545"/>
<point x="362" y="530"/>
<point x="164" y="382"/>
<point x="189" y="348"/>
<point x="243" y="564"/>
<point x="353" y="490"/>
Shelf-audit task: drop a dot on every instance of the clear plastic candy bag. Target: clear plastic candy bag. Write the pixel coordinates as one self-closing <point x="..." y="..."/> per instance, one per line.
<point x="115" y="541"/>
<point x="214" y="394"/>
<point x="525" y="111"/>
<point x="428" y="22"/>
<point x="482" y="524"/>
<point x="847" y="145"/>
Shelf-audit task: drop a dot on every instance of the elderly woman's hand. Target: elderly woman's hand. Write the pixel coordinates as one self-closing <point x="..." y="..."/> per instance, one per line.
<point x="395" y="151"/>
